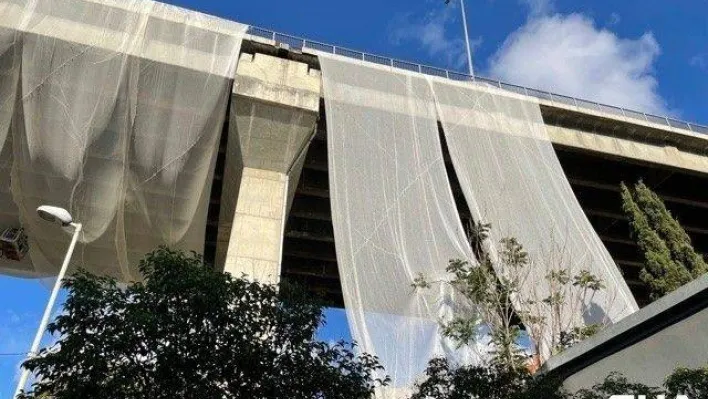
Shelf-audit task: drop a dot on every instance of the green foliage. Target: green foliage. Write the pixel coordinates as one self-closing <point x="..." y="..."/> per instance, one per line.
<point x="670" y="230"/>
<point x="512" y="253"/>
<point x="495" y="296"/>
<point x="446" y="382"/>
<point x="690" y="382"/>
<point x="461" y="330"/>
<point x="189" y="332"/>
<point x="587" y="280"/>
<point x="497" y="301"/>
<point x="683" y="381"/>
<point x="670" y="260"/>
<point x="616" y="384"/>
<point x="443" y="381"/>
<point x="506" y="351"/>
<point x="577" y="334"/>
<point x="420" y="282"/>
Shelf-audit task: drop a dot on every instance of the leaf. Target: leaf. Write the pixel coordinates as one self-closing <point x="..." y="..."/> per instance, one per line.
<point x="190" y="332"/>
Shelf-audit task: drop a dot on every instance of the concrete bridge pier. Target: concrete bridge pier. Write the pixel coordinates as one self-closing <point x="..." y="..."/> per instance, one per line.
<point x="274" y="111"/>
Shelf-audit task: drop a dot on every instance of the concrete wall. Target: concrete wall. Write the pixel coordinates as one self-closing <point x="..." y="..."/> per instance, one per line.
<point x="684" y="344"/>
<point x="646" y="346"/>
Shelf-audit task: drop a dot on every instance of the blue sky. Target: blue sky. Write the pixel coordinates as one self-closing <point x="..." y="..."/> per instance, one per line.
<point x="644" y="54"/>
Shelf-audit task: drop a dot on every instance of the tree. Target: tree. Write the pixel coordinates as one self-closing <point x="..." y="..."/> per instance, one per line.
<point x="690" y="382"/>
<point x="669" y="258"/>
<point x="616" y="384"/>
<point x="444" y="381"/>
<point x="501" y="312"/>
<point x="190" y="332"/>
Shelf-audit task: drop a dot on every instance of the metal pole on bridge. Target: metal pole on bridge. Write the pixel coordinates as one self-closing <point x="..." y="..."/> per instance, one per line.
<point x="467" y="36"/>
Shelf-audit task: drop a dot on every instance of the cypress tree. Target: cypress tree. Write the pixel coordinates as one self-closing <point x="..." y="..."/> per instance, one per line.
<point x="661" y="272"/>
<point x="670" y="230"/>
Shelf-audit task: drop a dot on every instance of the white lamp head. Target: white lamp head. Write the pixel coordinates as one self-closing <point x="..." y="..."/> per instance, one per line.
<point x="55" y="214"/>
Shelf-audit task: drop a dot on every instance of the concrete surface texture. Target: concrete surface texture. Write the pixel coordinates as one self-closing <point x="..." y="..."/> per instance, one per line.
<point x="275" y="105"/>
<point x="666" y="155"/>
<point x="647" y="346"/>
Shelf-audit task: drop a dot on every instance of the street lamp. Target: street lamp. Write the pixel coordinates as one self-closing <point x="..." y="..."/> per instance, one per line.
<point x="55" y="214"/>
<point x="63" y="218"/>
<point x="467" y="36"/>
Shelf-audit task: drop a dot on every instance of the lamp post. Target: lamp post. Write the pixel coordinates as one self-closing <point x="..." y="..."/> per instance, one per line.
<point x="467" y="36"/>
<point x="62" y="217"/>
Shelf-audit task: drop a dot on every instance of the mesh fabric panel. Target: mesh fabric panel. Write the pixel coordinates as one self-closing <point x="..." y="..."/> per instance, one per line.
<point x="393" y="214"/>
<point x="117" y="117"/>
<point x="511" y="178"/>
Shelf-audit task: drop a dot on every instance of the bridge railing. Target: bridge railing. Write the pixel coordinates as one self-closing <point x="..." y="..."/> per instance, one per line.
<point x="297" y="43"/>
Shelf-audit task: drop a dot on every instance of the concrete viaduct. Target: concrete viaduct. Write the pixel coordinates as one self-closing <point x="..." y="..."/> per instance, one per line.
<point x="598" y="148"/>
<point x="266" y="221"/>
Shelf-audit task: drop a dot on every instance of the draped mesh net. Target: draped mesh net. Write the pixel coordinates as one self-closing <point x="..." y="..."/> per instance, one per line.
<point x="511" y="178"/>
<point x="112" y="109"/>
<point x="394" y="216"/>
<point x="116" y="109"/>
<point x="393" y="213"/>
<point x="9" y="70"/>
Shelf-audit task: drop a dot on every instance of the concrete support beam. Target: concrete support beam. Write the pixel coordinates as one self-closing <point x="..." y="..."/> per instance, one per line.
<point x="274" y="110"/>
<point x="628" y="124"/>
<point x="642" y="151"/>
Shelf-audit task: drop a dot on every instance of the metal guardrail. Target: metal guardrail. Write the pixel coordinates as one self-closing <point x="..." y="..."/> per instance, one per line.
<point x="298" y="43"/>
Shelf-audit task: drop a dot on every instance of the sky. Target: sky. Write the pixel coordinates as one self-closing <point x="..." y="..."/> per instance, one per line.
<point x="647" y="55"/>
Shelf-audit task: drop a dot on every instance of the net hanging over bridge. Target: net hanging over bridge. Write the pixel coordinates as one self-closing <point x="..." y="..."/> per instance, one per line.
<point x="114" y="109"/>
<point x="394" y="216"/>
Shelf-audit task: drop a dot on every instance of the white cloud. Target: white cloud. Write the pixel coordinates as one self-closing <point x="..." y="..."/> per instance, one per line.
<point x="432" y="33"/>
<point x="568" y="54"/>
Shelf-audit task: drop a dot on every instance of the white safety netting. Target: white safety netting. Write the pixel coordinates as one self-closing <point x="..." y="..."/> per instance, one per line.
<point x="393" y="214"/>
<point x="511" y="178"/>
<point x="9" y="70"/>
<point x="116" y="118"/>
<point x="9" y="62"/>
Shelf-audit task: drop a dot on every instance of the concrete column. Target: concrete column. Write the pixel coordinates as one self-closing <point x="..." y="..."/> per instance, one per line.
<point x="256" y="233"/>
<point x="274" y="110"/>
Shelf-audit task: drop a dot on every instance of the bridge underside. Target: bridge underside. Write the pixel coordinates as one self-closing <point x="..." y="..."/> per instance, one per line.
<point x="595" y="174"/>
<point x="309" y="256"/>
<point x="598" y="147"/>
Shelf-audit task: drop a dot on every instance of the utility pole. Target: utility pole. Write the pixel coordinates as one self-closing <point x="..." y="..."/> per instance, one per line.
<point x="467" y="36"/>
